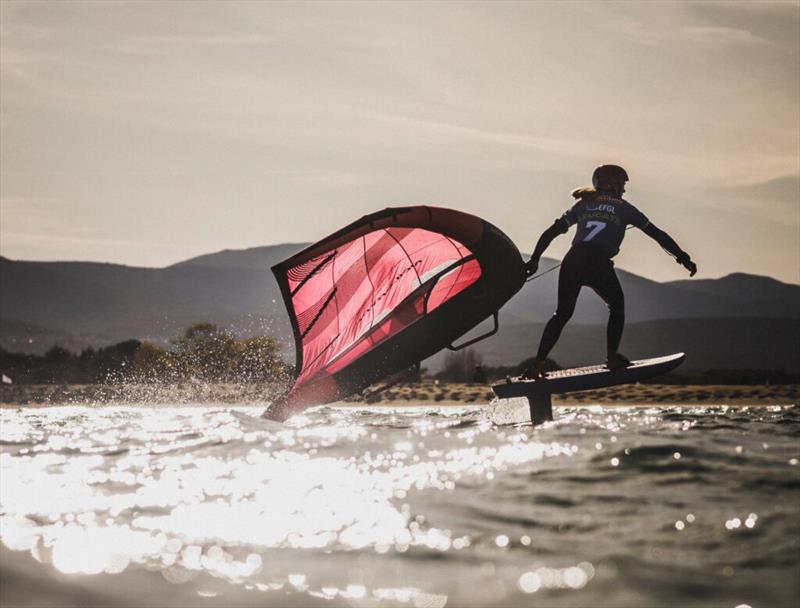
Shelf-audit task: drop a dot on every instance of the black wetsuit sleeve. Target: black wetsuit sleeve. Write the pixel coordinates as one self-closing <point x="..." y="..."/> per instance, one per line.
<point x="560" y="226"/>
<point x="666" y="241"/>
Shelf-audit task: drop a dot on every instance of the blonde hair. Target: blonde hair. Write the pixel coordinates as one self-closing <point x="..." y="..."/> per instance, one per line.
<point x="584" y="192"/>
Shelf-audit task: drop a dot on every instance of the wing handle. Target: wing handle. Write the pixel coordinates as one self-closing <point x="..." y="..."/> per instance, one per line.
<point x="492" y="332"/>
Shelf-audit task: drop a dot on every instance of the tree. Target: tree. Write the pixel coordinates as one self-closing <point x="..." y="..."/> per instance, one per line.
<point x="115" y="362"/>
<point x="459" y="366"/>
<point x="258" y="358"/>
<point x="202" y="351"/>
<point x="206" y="352"/>
<point x="153" y="364"/>
<point x="549" y="365"/>
<point x="60" y="365"/>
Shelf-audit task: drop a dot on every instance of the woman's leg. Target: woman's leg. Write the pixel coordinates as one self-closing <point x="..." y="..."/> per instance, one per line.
<point x="606" y="284"/>
<point x="569" y="286"/>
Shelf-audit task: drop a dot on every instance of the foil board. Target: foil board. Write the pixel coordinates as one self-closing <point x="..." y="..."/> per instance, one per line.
<point x="538" y="390"/>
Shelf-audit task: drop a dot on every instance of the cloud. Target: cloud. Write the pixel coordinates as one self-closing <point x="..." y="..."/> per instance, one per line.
<point x="785" y="188"/>
<point x="778" y="198"/>
<point x="320" y="177"/>
<point x="50" y="228"/>
<point x="767" y="8"/>
<point x="49" y="246"/>
<point x="450" y="132"/>
<point x="24" y="210"/>
<point x="206" y="40"/>
<point x="704" y="24"/>
<point x="709" y="35"/>
<point x="645" y="32"/>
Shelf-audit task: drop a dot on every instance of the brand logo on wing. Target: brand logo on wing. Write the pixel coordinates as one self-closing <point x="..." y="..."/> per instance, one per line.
<point x="377" y="298"/>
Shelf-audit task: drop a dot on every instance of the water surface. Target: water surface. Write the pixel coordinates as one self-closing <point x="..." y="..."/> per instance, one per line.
<point x="412" y="506"/>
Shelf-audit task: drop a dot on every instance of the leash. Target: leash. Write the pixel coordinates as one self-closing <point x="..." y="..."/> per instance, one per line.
<point x="541" y="274"/>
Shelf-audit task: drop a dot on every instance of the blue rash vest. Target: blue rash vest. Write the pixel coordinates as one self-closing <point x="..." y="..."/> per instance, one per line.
<point x="601" y="219"/>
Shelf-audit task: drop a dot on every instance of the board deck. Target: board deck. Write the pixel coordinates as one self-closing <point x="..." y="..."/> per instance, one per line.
<point x="586" y="378"/>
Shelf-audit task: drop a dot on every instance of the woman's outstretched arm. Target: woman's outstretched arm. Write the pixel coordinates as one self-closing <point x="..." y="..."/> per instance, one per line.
<point x="558" y="227"/>
<point x="671" y="247"/>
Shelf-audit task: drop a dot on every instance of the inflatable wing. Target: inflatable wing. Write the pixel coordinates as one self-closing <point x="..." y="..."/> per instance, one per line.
<point x="387" y="291"/>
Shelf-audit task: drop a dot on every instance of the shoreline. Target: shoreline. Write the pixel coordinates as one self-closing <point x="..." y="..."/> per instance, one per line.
<point x="416" y="394"/>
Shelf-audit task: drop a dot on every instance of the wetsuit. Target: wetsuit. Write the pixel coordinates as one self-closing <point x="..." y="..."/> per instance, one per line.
<point x="601" y="219"/>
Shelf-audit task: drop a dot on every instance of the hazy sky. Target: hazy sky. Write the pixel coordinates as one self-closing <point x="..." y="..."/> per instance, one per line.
<point x="149" y="132"/>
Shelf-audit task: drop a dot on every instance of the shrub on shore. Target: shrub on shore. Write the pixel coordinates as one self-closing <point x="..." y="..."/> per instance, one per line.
<point x="203" y="352"/>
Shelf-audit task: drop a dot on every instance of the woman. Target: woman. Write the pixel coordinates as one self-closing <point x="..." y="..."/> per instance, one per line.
<point x="601" y="216"/>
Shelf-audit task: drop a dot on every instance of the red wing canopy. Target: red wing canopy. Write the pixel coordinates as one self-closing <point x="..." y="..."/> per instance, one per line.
<point x="348" y="299"/>
<point x="359" y="288"/>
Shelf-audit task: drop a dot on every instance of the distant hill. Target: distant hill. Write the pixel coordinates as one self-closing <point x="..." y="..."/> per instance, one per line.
<point x="711" y="343"/>
<point x="744" y="287"/>
<point x="735" y="295"/>
<point x="19" y="336"/>
<point x="82" y="303"/>
<point x="255" y="258"/>
<point x="112" y="302"/>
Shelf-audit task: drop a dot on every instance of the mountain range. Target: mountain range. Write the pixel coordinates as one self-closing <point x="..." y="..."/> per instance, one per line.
<point x="734" y="321"/>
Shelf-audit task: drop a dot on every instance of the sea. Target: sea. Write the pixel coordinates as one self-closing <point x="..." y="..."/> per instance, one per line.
<point x="414" y="506"/>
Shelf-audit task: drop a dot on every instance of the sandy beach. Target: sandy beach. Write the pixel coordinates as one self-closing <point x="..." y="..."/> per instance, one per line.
<point x="43" y="395"/>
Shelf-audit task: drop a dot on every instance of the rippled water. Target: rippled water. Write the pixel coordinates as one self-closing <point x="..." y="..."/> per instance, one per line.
<point x="415" y="506"/>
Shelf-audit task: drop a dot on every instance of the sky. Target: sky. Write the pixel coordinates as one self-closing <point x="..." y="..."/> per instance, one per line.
<point x="146" y="133"/>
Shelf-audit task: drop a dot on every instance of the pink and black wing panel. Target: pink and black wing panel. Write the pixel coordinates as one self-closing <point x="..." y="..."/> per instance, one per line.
<point x="367" y="301"/>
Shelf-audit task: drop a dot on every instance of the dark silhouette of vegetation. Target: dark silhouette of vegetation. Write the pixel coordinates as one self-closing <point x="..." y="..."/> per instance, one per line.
<point x="549" y="365"/>
<point x="203" y="352"/>
<point x="60" y="366"/>
<point x="459" y="366"/>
